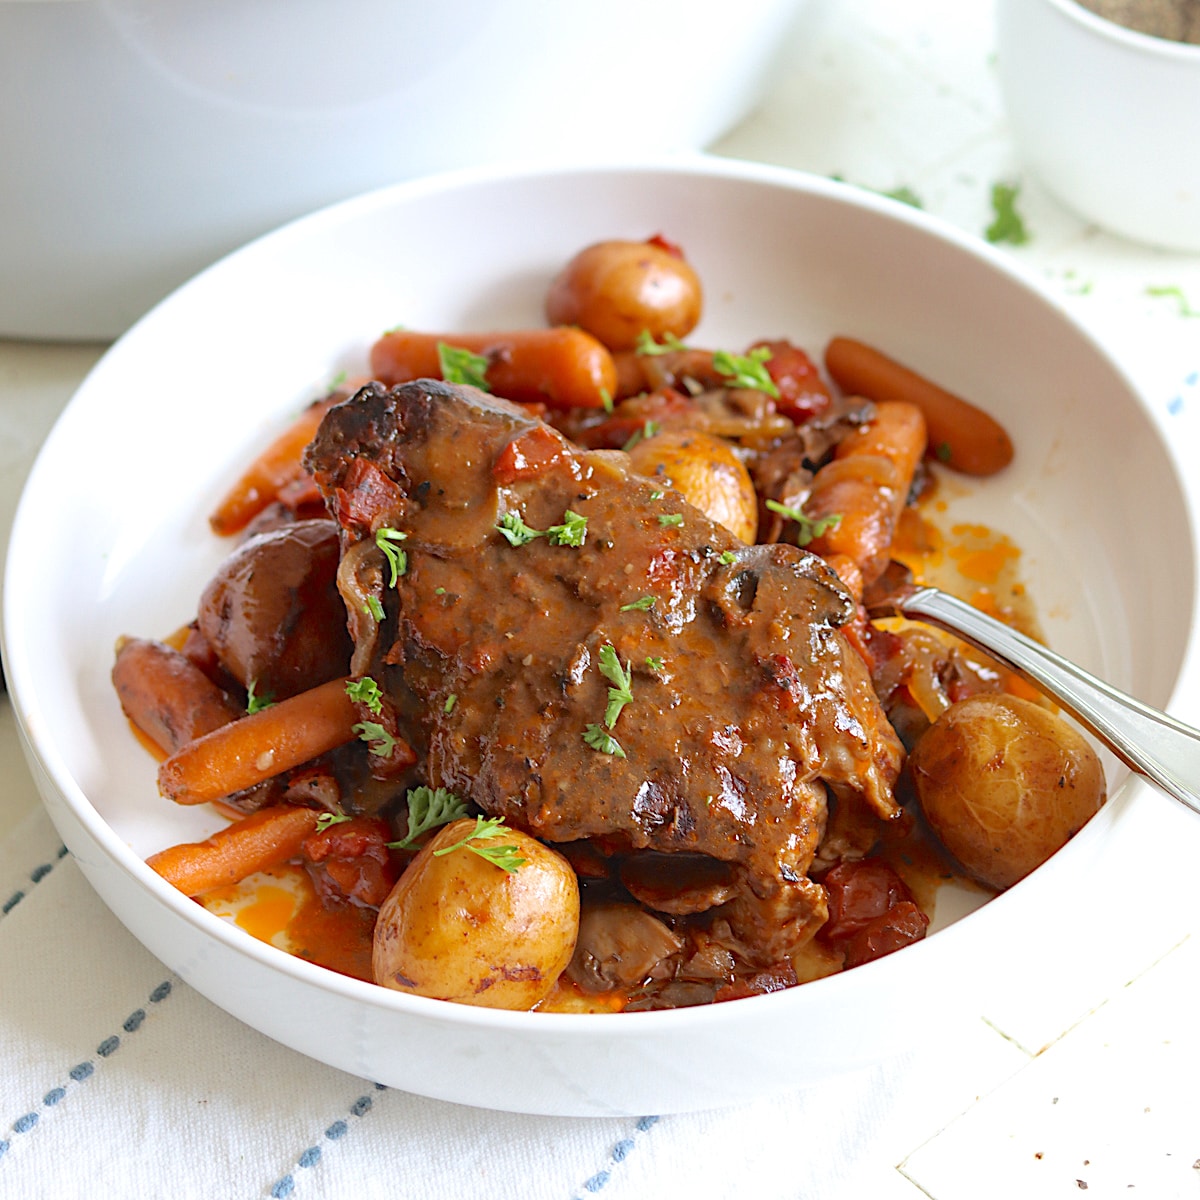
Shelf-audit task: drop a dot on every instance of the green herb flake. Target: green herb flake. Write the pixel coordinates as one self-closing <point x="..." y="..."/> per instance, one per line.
<point x="373" y="608"/>
<point x="653" y="662"/>
<point x="606" y="400"/>
<point x="254" y="702"/>
<point x="648" y="346"/>
<point x="459" y="365"/>
<point x="746" y="370"/>
<point x="427" y="809"/>
<point x="379" y="741"/>
<point x="571" y="532"/>
<point x="506" y="857"/>
<point x="1175" y="293"/>
<point x="621" y="678"/>
<point x="515" y="530"/>
<point x="388" y="540"/>
<point x="451" y="701"/>
<point x="365" y="691"/>
<point x="644" y="604"/>
<point x="670" y="520"/>
<point x="905" y="195"/>
<point x="807" y="527"/>
<point x="727" y="558"/>
<point x="648" y="430"/>
<point x="327" y="820"/>
<point x="603" y="741"/>
<point x="657" y="494"/>
<point x="943" y="452"/>
<point x="1007" y="224"/>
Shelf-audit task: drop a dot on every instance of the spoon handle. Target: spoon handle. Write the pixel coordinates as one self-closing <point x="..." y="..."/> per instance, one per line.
<point x="1153" y="744"/>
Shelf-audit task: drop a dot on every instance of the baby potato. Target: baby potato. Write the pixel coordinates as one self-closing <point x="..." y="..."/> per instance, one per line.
<point x="1005" y="783"/>
<point x="457" y="927"/>
<point x="708" y="473"/>
<point x="616" y="289"/>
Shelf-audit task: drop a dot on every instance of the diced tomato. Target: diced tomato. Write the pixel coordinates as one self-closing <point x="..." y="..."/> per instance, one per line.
<point x="351" y="861"/>
<point x="871" y="910"/>
<point x="528" y="456"/>
<point x="366" y="495"/>
<point x="663" y="244"/>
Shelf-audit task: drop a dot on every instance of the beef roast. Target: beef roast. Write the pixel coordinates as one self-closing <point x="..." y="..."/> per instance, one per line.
<point x="746" y="706"/>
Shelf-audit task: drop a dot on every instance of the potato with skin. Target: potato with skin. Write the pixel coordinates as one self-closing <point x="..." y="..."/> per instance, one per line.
<point x="457" y="927"/>
<point x="706" y="471"/>
<point x="616" y="289"/>
<point x="1004" y="783"/>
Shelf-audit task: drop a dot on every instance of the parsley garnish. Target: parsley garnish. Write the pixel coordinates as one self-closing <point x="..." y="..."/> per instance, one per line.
<point x="427" y="809"/>
<point x="256" y="703"/>
<point x="654" y="662"/>
<point x="379" y="741"/>
<point x="746" y="370"/>
<point x="1007" y="225"/>
<point x="386" y="539"/>
<point x="642" y="605"/>
<point x="647" y="345"/>
<point x="1176" y="294"/>
<point x="807" y="527"/>
<point x="373" y="608"/>
<point x="451" y="701"/>
<point x="621" y="693"/>
<point x="727" y="557"/>
<point x="602" y="740"/>
<point x="505" y="857"/>
<point x="648" y="430"/>
<point x="325" y="820"/>
<point x="365" y="691"/>
<point x="670" y="519"/>
<point x="943" y="452"/>
<point x="606" y="400"/>
<point x="657" y="494"/>
<point x="571" y="532"/>
<point x="463" y="366"/>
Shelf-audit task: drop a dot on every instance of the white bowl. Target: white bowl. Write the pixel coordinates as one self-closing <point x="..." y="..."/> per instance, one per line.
<point x="145" y="138"/>
<point x="111" y="537"/>
<point x="1106" y="117"/>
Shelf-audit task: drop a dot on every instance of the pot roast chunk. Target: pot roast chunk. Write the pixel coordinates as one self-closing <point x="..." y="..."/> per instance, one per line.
<point x="627" y="672"/>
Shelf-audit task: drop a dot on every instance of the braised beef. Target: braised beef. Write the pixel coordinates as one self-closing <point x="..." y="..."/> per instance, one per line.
<point x="747" y="702"/>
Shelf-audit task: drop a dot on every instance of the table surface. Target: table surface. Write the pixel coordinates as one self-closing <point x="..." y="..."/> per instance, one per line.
<point x="1087" y="1090"/>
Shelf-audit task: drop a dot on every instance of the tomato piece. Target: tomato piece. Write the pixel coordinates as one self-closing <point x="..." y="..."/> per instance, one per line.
<point x="871" y="911"/>
<point x="803" y="394"/>
<point x="351" y="861"/>
<point x="528" y="456"/>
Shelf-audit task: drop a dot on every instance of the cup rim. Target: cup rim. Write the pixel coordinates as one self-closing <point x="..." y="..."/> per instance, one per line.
<point x="1123" y="36"/>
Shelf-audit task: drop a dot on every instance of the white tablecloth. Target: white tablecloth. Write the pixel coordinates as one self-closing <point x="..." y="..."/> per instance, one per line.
<point x="119" y="1080"/>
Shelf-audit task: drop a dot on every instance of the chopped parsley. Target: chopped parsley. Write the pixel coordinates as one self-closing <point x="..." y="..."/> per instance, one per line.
<point x="727" y="557"/>
<point x="644" y="604"/>
<point x="459" y="365"/>
<point x="671" y="520"/>
<point x="621" y="692"/>
<point x="602" y="740"/>
<point x="746" y="370"/>
<point x="657" y="494"/>
<point x="653" y="662"/>
<point x="648" y="430"/>
<point x="373" y="608"/>
<point x="365" y="691"/>
<point x="325" y="820"/>
<point x="571" y="532"/>
<point x="254" y="702"/>
<point x="807" y="527"/>
<point x="379" y="741"/>
<point x="388" y="539"/>
<point x="1175" y="293"/>
<point x="1007" y="225"/>
<point x="427" y="809"/>
<point x="451" y="701"/>
<point x="506" y="857"/>
<point x="648" y="346"/>
<point x="606" y="400"/>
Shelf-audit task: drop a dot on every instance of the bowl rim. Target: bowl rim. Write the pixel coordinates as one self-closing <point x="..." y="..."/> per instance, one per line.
<point x="1124" y="37"/>
<point x="23" y="688"/>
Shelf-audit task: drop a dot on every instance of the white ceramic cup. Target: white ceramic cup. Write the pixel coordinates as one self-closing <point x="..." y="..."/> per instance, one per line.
<point x="1107" y="118"/>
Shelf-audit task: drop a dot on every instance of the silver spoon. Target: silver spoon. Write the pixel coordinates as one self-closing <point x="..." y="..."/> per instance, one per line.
<point x="1164" y="750"/>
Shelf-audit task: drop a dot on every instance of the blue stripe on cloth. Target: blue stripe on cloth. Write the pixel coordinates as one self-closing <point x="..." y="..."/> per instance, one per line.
<point x="35" y="876"/>
<point x="617" y="1155"/>
<point x="86" y="1069"/>
<point x="308" y="1158"/>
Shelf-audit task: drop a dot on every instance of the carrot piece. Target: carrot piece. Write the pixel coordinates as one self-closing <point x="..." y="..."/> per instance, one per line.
<point x="562" y="366"/>
<point x="255" y="842"/>
<point x="278" y="465"/>
<point x="866" y="486"/>
<point x="166" y="695"/>
<point x="960" y="435"/>
<point x="260" y="746"/>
